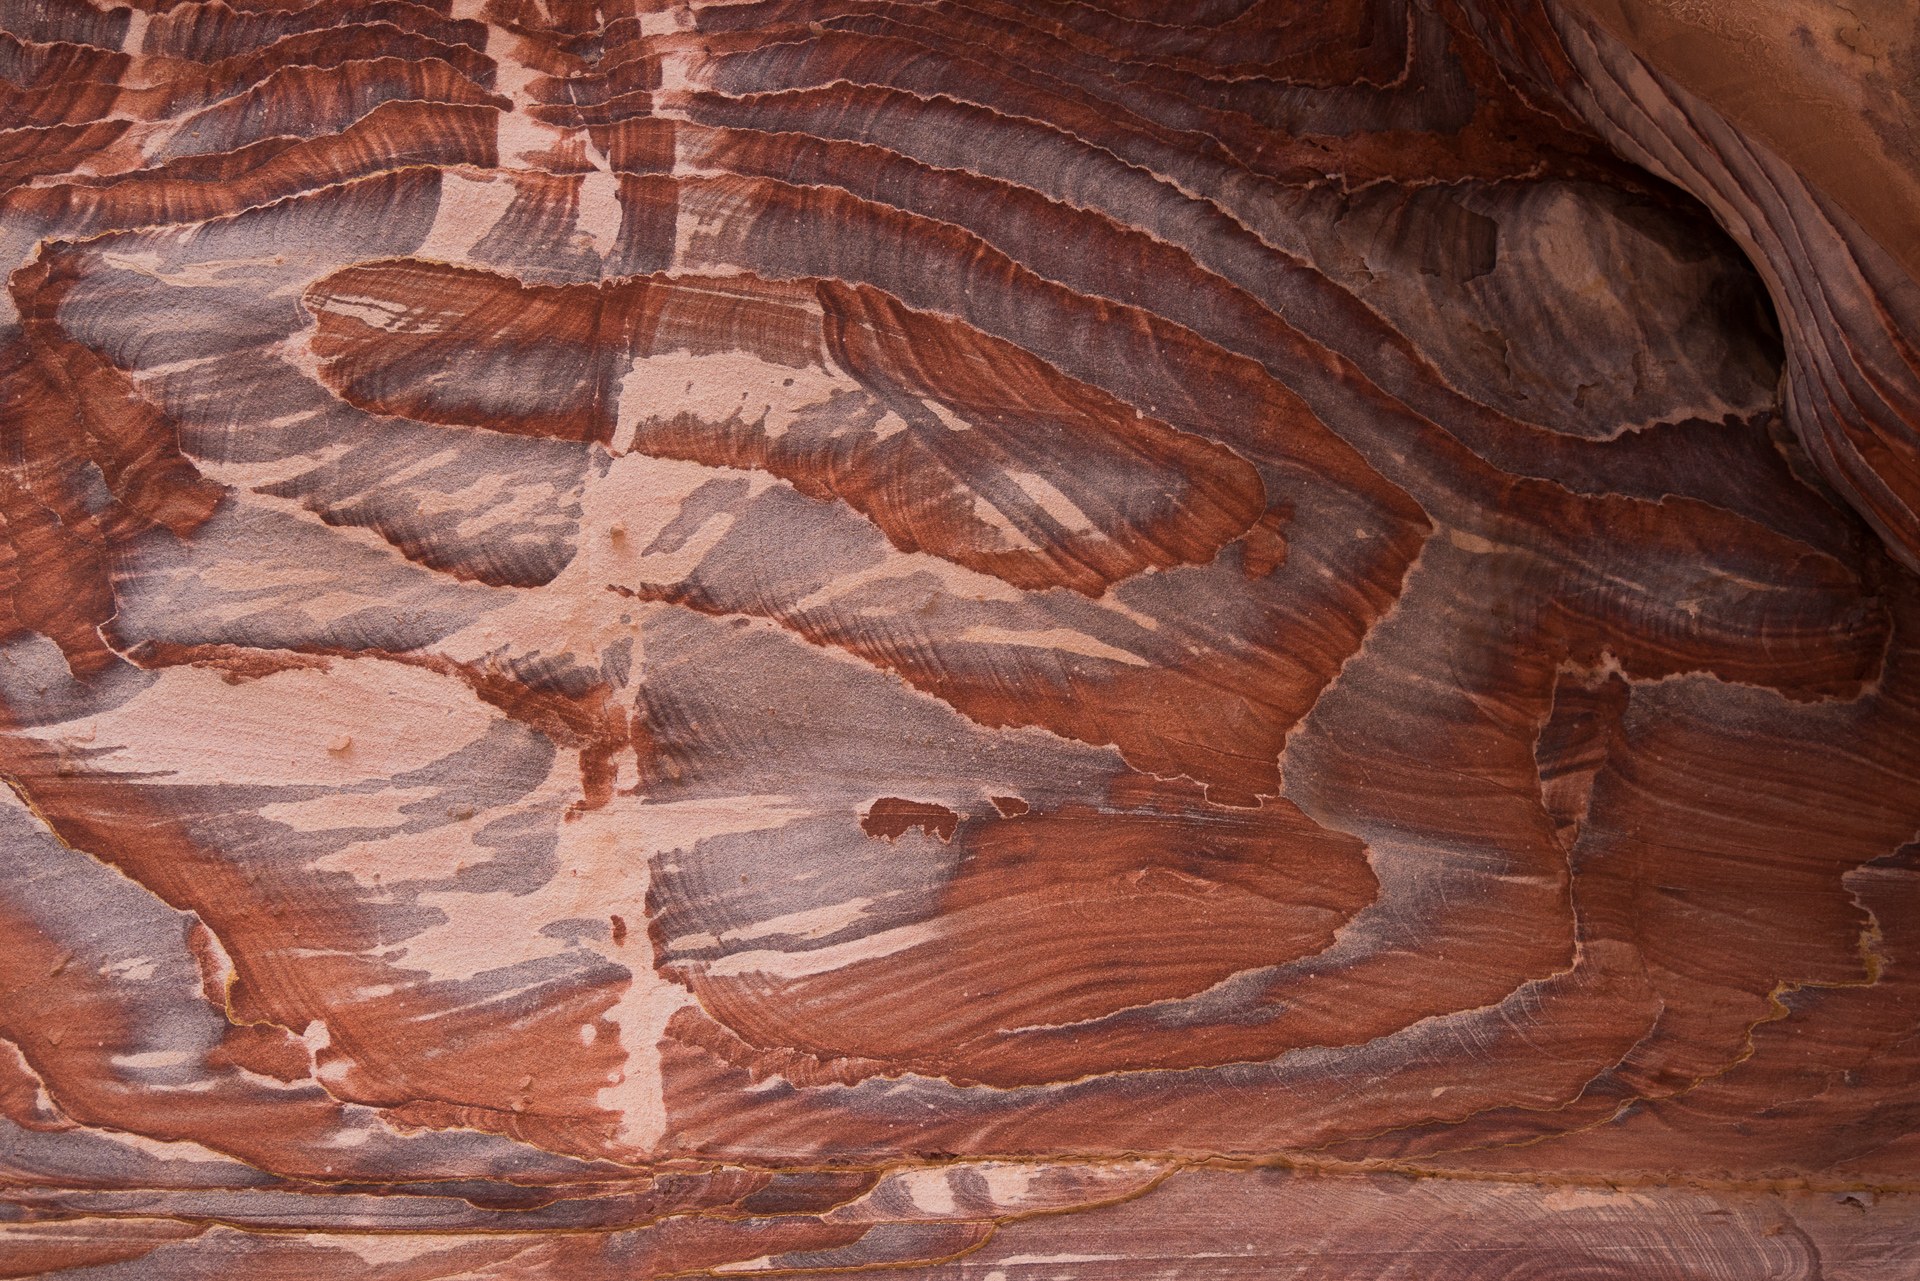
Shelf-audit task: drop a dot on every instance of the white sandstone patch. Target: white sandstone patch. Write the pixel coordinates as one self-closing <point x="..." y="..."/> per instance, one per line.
<point x="193" y="727"/>
<point x="714" y="388"/>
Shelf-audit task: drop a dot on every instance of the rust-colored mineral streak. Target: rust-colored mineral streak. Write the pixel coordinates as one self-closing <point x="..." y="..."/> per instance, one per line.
<point x="1000" y="640"/>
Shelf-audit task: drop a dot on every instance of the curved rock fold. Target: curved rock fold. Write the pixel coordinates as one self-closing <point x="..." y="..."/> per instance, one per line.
<point x="973" y="639"/>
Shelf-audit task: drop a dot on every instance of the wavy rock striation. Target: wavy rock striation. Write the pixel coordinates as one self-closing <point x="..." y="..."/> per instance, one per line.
<point x="644" y="638"/>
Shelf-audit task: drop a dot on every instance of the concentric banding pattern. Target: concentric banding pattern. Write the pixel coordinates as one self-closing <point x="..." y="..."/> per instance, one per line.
<point x="765" y="635"/>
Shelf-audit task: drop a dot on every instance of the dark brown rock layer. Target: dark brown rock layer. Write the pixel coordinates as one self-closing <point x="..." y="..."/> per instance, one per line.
<point x="642" y="639"/>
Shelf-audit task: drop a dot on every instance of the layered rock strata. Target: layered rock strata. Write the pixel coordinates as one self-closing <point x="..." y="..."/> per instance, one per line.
<point x="999" y="640"/>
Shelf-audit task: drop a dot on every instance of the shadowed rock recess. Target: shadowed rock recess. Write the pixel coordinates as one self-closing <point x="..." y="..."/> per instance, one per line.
<point x="999" y="640"/>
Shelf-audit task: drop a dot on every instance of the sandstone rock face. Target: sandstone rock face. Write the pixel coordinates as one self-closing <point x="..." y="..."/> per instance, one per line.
<point x="995" y="640"/>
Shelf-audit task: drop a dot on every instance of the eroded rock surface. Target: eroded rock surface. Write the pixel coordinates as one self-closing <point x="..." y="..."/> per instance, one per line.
<point x="1001" y="640"/>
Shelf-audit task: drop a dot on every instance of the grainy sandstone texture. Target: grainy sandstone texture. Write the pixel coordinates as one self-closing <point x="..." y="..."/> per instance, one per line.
<point x="995" y="639"/>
